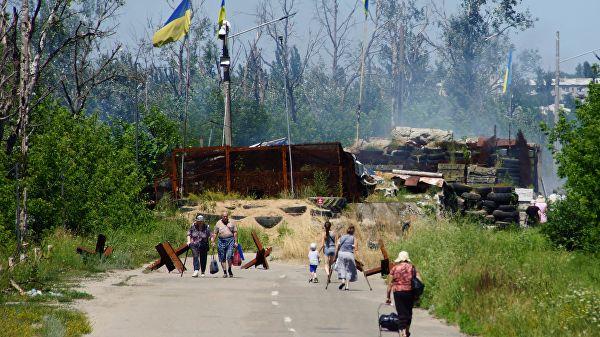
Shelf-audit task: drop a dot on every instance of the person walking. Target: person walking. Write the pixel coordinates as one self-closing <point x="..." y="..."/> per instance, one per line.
<point x="313" y="263"/>
<point x="226" y="232"/>
<point x="543" y="208"/>
<point x="345" y="265"/>
<point x="197" y="240"/>
<point x="401" y="285"/>
<point x="328" y="247"/>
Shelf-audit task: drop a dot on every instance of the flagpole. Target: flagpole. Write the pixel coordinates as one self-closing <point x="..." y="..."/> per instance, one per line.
<point x="186" y="43"/>
<point x="362" y="78"/>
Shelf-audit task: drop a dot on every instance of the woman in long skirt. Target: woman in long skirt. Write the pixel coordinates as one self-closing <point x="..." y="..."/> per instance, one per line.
<point x="345" y="265"/>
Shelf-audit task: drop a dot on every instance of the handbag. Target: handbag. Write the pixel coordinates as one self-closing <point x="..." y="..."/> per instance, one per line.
<point x="417" y="286"/>
<point x="239" y="248"/>
<point x="237" y="259"/>
<point x="390" y="322"/>
<point x="214" y="266"/>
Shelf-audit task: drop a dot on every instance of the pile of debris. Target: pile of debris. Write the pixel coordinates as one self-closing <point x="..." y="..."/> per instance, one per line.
<point x="452" y="173"/>
<point x="481" y="175"/>
<point x="498" y="205"/>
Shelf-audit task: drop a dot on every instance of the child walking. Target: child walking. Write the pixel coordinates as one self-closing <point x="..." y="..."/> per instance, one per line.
<point x="313" y="260"/>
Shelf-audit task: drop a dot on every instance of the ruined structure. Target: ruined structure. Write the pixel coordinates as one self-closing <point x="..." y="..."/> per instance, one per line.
<point x="477" y="161"/>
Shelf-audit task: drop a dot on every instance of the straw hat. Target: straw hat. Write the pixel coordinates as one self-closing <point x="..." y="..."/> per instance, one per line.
<point x="541" y="198"/>
<point x="402" y="257"/>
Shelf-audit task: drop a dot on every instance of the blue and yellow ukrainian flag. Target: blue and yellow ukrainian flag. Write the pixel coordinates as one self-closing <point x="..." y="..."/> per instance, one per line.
<point x="222" y="13"/>
<point x="508" y="73"/>
<point x="176" y="27"/>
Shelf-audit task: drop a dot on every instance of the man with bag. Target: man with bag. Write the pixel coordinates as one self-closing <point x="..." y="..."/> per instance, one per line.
<point x="227" y="234"/>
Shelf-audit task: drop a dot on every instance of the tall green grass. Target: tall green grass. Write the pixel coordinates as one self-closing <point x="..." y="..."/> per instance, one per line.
<point x="504" y="283"/>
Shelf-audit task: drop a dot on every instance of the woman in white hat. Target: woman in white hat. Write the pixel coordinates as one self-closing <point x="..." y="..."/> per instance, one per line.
<point x="401" y="285"/>
<point x="197" y="240"/>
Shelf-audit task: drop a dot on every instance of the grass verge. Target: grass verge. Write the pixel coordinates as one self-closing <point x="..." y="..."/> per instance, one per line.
<point x="507" y="283"/>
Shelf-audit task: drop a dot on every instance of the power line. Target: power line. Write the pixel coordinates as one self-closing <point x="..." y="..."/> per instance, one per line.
<point x="582" y="54"/>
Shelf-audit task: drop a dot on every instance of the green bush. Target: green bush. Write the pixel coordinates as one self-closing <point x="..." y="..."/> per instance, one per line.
<point x="504" y="283"/>
<point x="245" y="237"/>
<point x="575" y="223"/>
<point x="80" y="179"/>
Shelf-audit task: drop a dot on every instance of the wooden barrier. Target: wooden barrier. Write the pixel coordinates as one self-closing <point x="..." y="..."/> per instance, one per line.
<point x="100" y="250"/>
<point x="261" y="254"/>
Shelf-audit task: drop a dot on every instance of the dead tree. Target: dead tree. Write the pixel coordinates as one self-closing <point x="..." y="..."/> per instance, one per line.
<point x="86" y="70"/>
<point x="337" y="30"/>
<point x="403" y="28"/>
<point x="280" y="34"/>
<point x="24" y="40"/>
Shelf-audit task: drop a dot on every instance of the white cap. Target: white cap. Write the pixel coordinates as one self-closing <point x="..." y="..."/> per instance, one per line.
<point x="402" y="256"/>
<point x="313" y="246"/>
<point x="199" y="217"/>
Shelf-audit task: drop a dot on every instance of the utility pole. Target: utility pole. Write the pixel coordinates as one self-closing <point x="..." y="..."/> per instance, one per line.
<point x="225" y="63"/>
<point x="287" y="115"/>
<point x="557" y="79"/>
<point x="362" y="77"/>
<point x="185" y="113"/>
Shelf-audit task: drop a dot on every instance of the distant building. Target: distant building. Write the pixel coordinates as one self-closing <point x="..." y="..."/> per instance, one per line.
<point x="576" y="87"/>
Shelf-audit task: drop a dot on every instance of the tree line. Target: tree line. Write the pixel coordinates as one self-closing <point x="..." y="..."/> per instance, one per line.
<point x="85" y="122"/>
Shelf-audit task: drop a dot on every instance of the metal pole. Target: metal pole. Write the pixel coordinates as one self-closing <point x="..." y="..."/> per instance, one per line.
<point x="261" y="25"/>
<point x="185" y="117"/>
<point x="510" y="111"/>
<point x="227" y="95"/>
<point x="287" y="116"/>
<point x="362" y="79"/>
<point x="557" y="79"/>
<point x="137" y="128"/>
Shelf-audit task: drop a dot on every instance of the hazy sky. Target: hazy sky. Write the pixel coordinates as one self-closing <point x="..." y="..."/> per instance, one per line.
<point x="575" y="19"/>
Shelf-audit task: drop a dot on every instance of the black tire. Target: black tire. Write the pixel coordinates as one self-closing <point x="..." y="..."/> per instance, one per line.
<point x="436" y="156"/>
<point x="471" y="196"/>
<point x="503" y="198"/>
<point x="460" y="188"/>
<point x="483" y="191"/>
<point x="503" y="216"/>
<point x="503" y="189"/>
<point x="507" y="208"/>
<point x="488" y="204"/>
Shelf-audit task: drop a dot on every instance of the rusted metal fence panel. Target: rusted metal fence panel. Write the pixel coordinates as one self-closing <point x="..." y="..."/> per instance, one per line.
<point x="263" y="171"/>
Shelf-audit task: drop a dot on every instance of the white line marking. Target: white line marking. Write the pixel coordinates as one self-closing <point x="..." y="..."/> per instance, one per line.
<point x="282" y="276"/>
<point x="292" y="330"/>
<point x="287" y="319"/>
<point x="275" y="303"/>
<point x="274" y="293"/>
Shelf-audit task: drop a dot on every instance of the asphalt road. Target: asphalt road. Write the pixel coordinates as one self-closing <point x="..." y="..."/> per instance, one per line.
<point x="256" y="302"/>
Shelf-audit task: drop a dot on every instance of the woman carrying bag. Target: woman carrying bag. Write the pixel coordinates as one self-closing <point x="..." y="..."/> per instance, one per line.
<point x="198" y="240"/>
<point x="407" y="287"/>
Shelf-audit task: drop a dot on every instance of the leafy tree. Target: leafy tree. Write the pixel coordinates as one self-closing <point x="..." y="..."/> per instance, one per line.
<point x="79" y="176"/>
<point x="474" y="48"/>
<point x="575" y="222"/>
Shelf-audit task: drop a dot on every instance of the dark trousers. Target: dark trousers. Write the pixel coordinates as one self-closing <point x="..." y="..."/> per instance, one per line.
<point x="200" y="252"/>
<point x="404" y="301"/>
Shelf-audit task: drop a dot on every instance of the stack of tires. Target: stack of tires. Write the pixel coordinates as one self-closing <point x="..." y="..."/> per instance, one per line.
<point x="498" y="205"/>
